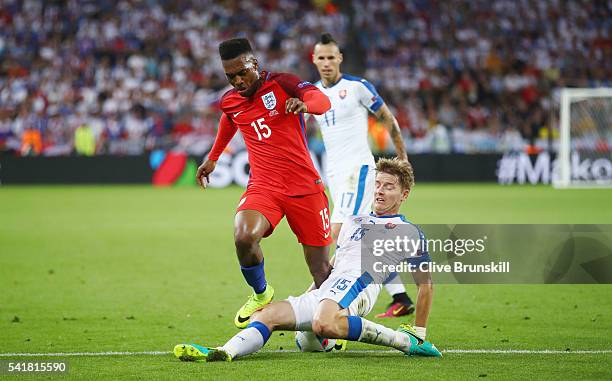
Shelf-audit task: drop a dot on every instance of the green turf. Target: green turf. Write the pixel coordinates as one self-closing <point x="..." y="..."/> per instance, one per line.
<point x="140" y="269"/>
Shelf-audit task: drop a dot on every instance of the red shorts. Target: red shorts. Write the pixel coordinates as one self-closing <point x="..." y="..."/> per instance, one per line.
<point x="308" y="216"/>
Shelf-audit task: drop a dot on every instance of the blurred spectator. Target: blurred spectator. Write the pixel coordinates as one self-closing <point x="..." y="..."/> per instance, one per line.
<point x="31" y="142"/>
<point x="140" y="74"/>
<point x="84" y="141"/>
<point x="486" y="66"/>
<point x="478" y="75"/>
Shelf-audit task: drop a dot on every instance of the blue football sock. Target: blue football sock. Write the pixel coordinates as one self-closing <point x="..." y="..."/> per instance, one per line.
<point x="255" y="277"/>
<point x="354" y="328"/>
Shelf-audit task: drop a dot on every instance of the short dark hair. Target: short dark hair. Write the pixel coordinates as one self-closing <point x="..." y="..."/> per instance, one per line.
<point x="326" y="38"/>
<point x="234" y="47"/>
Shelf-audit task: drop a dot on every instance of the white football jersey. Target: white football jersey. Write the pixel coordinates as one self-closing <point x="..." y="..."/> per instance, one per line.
<point x="351" y="241"/>
<point x="345" y="126"/>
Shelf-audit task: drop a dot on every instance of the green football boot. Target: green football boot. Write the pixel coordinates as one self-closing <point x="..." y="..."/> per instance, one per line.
<point x="418" y="346"/>
<point x="340" y="345"/>
<point x="218" y="354"/>
<point x="191" y="352"/>
<point x="255" y="302"/>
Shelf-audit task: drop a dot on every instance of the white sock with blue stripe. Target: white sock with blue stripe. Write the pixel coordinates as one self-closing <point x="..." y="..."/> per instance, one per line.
<point x="249" y="340"/>
<point x="365" y="331"/>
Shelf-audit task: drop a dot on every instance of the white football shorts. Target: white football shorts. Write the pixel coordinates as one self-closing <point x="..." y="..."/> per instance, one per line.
<point x="356" y="293"/>
<point x="352" y="192"/>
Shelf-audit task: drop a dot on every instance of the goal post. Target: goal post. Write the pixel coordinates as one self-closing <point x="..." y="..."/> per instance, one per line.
<point x="585" y="138"/>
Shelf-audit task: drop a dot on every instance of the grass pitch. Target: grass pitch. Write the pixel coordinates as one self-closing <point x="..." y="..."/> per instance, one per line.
<point x="135" y="269"/>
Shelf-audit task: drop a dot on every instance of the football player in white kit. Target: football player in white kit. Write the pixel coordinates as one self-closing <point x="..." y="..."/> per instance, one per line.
<point x="336" y="310"/>
<point x="350" y="163"/>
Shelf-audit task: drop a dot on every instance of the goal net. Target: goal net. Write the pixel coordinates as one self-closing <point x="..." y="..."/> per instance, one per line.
<point x="585" y="139"/>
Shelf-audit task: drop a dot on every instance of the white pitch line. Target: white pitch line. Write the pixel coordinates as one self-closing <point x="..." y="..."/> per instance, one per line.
<point x="450" y="351"/>
<point x="528" y="351"/>
<point x="72" y="354"/>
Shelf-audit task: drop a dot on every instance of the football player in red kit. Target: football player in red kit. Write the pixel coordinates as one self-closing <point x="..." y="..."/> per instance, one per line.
<point x="267" y="108"/>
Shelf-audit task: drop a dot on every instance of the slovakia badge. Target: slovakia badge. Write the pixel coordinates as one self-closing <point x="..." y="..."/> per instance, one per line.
<point x="269" y="100"/>
<point x="342" y="93"/>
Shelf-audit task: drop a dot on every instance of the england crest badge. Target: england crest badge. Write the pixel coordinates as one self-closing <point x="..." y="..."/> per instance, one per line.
<point x="269" y="100"/>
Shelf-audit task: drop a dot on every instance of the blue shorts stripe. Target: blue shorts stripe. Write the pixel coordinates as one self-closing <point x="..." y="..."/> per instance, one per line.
<point x="360" y="284"/>
<point x="363" y="173"/>
<point x="390" y="278"/>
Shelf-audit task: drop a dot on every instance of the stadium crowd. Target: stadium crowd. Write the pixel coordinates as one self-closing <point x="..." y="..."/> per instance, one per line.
<point x="125" y="77"/>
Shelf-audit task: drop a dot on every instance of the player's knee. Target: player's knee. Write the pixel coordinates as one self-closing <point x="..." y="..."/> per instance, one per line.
<point x="320" y="277"/>
<point x="245" y="239"/>
<point x="324" y="327"/>
<point x="319" y="327"/>
<point x="320" y="270"/>
<point x="263" y="316"/>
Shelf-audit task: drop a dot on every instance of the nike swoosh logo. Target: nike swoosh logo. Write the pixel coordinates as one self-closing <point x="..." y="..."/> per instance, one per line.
<point x="397" y="311"/>
<point x="326" y="235"/>
<point x="242" y="320"/>
<point x="236" y="114"/>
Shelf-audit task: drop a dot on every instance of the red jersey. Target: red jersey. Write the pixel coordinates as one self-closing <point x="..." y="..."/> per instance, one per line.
<point x="276" y="141"/>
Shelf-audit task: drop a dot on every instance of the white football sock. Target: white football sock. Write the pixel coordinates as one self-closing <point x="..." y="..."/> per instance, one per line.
<point x="374" y="333"/>
<point x="395" y="288"/>
<point x="245" y="342"/>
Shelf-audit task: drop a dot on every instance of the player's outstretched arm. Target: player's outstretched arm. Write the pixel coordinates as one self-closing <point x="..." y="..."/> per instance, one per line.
<point x="424" y="298"/>
<point x="385" y="116"/>
<point x="312" y="102"/>
<point x="304" y="96"/>
<point x="225" y="133"/>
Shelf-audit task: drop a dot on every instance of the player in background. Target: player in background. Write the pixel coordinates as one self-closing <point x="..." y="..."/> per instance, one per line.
<point x="267" y="109"/>
<point x="336" y="309"/>
<point x="350" y="163"/>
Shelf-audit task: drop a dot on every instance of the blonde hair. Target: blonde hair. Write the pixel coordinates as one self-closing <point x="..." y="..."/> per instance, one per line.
<point x="400" y="168"/>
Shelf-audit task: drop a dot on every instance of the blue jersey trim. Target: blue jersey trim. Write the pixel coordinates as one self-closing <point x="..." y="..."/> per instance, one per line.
<point x="363" y="173"/>
<point x="377" y="105"/>
<point x="349" y="77"/>
<point x="401" y="216"/>
<point x="379" y="101"/>
<point x="360" y="284"/>
<point x="335" y="83"/>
